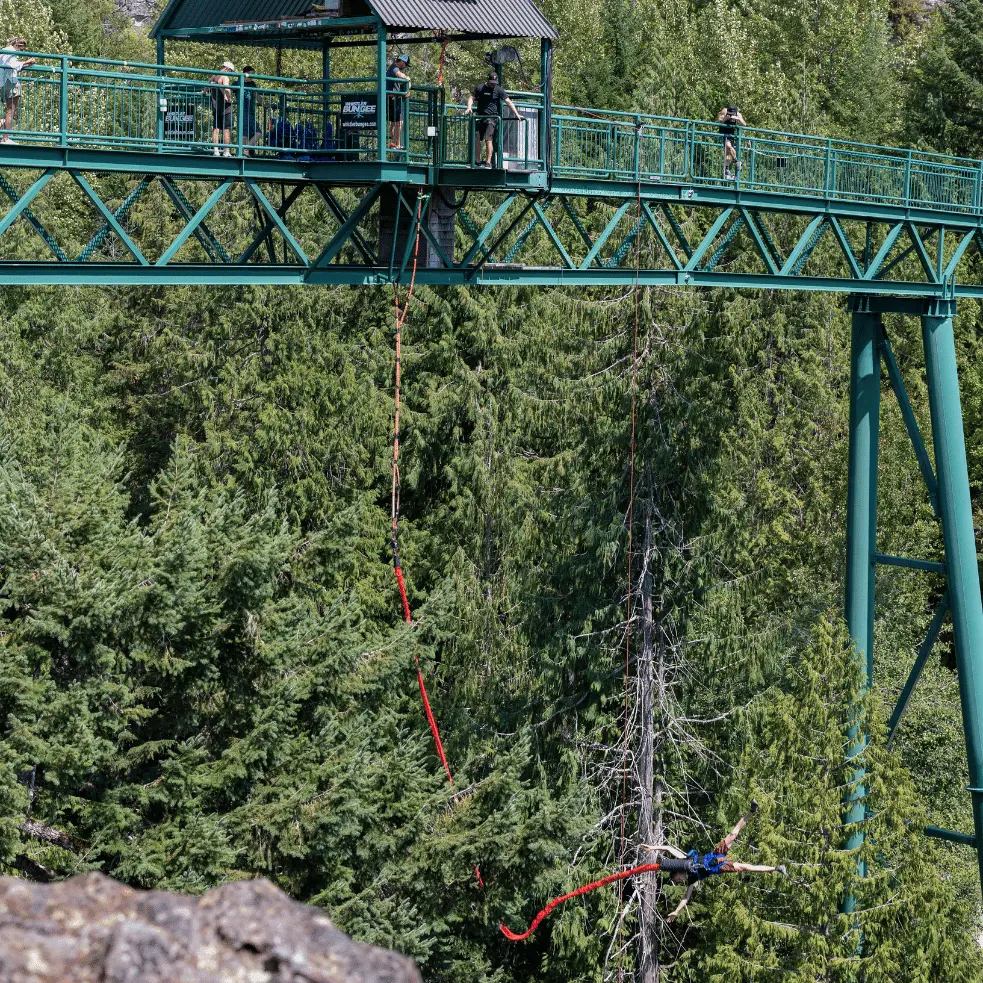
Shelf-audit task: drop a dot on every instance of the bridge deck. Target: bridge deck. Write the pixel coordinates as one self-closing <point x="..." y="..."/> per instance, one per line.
<point x="113" y="107"/>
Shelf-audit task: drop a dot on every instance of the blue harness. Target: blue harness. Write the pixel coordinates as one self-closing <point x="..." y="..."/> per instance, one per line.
<point x="706" y="865"/>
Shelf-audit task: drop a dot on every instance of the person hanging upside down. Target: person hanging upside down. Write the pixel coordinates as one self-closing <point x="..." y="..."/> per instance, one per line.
<point x="692" y="869"/>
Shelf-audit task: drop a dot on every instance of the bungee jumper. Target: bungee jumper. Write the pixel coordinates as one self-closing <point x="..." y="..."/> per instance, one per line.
<point x="693" y="869"/>
<point x="690" y="868"/>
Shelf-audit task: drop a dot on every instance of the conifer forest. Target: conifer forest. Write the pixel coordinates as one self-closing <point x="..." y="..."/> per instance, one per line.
<point x="204" y="671"/>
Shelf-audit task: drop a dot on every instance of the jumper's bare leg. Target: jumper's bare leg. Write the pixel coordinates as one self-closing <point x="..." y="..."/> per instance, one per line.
<point x="687" y="897"/>
<point x="739" y="868"/>
<point x="665" y="848"/>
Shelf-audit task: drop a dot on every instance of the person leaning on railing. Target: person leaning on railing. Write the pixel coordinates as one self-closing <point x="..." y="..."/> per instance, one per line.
<point x="10" y="68"/>
<point x="490" y="97"/>
<point x="396" y="95"/>
<point x="730" y="119"/>
<point x="220" y="92"/>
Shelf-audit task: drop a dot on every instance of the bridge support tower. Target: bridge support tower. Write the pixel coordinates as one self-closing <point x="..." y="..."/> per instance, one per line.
<point x="948" y="490"/>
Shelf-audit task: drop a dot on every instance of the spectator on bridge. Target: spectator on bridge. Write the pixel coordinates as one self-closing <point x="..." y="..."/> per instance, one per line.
<point x="730" y="119"/>
<point x="490" y="97"/>
<point x="396" y="95"/>
<point x="220" y="93"/>
<point x="10" y="67"/>
<point x="250" y="128"/>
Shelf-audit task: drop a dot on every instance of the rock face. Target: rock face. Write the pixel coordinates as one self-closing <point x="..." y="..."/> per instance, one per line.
<point x="142" y="12"/>
<point x="91" y="929"/>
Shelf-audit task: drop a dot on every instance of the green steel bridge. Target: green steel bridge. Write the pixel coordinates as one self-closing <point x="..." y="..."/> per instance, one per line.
<point x="113" y="179"/>
<point x="101" y="138"/>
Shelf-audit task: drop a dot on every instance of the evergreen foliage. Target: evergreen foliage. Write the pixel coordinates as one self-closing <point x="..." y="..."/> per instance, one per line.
<point x="203" y="671"/>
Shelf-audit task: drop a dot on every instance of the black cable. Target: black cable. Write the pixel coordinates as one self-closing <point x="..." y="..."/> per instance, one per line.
<point x="454" y="206"/>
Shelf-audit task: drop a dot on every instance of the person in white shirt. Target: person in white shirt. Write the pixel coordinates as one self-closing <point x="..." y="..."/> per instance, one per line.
<point x="10" y="68"/>
<point x="220" y="93"/>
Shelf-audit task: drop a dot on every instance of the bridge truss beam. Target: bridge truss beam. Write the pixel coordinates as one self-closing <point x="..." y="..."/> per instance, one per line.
<point x="238" y="224"/>
<point x="948" y="490"/>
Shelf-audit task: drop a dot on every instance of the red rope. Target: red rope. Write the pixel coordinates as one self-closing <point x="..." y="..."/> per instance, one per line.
<point x="397" y="567"/>
<point x="407" y="617"/>
<point x="585" y="889"/>
<point x="433" y="725"/>
<point x="443" y="52"/>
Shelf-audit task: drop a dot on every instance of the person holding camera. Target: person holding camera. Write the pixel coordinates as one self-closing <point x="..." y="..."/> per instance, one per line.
<point x="730" y="119"/>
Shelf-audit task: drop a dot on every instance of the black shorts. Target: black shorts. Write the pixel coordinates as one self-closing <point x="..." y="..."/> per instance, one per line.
<point x="222" y="115"/>
<point x="487" y="126"/>
<point x="394" y="107"/>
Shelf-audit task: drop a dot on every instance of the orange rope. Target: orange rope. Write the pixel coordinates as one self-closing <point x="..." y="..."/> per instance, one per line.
<point x="443" y="52"/>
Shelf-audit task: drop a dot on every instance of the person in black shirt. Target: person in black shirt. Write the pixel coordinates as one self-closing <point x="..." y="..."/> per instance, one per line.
<point x="489" y="97"/>
<point x="730" y="119"/>
<point x="396" y="94"/>
<point x="250" y="128"/>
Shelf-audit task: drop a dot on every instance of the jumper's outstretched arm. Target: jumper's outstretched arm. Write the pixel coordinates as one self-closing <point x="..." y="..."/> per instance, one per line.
<point x="665" y="848"/>
<point x="728" y="841"/>
<point x="687" y="897"/>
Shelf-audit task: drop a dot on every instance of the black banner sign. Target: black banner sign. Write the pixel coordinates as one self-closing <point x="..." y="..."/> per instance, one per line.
<point x="359" y="112"/>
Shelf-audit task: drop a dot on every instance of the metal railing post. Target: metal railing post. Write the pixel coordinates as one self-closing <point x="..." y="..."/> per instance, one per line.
<point x="827" y="184"/>
<point x="381" y="94"/>
<point x="907" y="178"/>
<point x="240" y="101"/>
<point x="638" y="149"/>
<point x="688" y="149"/>
<point x="63" y="102"/>
<point x="499" y="145"/>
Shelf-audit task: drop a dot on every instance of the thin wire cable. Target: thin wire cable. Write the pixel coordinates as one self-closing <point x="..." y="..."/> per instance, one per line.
<point x="631" y="517"/>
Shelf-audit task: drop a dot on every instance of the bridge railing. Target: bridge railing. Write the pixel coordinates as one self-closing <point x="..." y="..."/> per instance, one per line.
<point x="609" y="146"/>
<point x="518" y="143"/>
<point x="111" y="105"/>
<point x="95" y="103"/>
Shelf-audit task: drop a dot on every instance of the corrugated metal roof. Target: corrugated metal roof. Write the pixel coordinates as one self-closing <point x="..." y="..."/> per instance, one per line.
<point x="210" y="13"/>
<point x="495" y="18"/>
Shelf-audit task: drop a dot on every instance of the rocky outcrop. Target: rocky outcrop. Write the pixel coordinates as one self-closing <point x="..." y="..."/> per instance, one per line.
<point x="142" y="12"/>
<point x="91" y="929"/>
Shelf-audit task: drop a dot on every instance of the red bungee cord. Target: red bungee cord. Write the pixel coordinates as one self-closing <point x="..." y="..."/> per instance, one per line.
<point x="397" y="567"/>
<point x="443" y="53"/>
<point x="585" y="889"/>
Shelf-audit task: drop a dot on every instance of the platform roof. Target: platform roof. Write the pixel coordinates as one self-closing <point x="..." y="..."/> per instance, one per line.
<point x="299" y="23"/>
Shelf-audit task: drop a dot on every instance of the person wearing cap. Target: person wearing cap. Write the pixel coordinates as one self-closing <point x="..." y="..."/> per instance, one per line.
<point x="489" y="97"/>
<point x="397" y="90"/>
<point x="220" y="93"/>
<point x="10" y="67"/>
